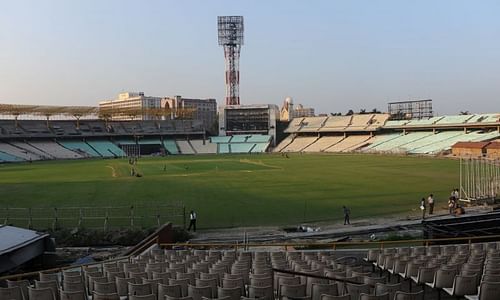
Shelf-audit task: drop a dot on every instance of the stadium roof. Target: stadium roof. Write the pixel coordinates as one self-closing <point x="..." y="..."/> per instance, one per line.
<point x="12" y="238"/>
<point x="79" y="111"/>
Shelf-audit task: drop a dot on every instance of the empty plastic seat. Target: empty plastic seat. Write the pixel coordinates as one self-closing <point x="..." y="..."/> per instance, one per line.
<point x="374" y="297"/>
<point x="73" y="295"/>
<point x="11" y="293"/>
<point x="409" y="296"/>
<point x="463" y="285"/>
<point x="41" y="293"/>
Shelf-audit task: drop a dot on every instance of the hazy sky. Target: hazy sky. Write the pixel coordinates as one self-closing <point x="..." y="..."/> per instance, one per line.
<point x="331" y="55"/>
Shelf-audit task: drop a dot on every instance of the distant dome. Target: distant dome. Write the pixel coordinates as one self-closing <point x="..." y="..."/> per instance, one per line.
<point x="289" y="100"/>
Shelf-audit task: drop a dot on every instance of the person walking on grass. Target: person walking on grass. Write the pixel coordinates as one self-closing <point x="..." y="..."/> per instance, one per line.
<point x="430" y="200"/>
<point x="347" y="212"/>
<point x="422" y="207"/>
<point x="192" y="221"/>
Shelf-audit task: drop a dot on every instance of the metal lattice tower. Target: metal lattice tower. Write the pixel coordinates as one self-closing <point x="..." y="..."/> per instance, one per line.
<point x="230" y="29"/>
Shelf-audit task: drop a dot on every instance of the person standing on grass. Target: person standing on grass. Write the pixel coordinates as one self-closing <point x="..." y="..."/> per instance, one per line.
<point x="422" y="207"/>
<point x="192" y="221"/>
<point x="347" y="212"/>
<point x="430" y="200"/>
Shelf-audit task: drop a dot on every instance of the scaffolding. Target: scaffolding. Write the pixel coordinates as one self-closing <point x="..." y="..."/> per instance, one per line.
<point x="407" y="110"/>
<point x="479" y="179"/>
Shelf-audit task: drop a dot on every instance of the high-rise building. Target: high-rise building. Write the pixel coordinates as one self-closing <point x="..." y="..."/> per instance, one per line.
<point x="203" y="109"/>
<point x="130" y="101"/>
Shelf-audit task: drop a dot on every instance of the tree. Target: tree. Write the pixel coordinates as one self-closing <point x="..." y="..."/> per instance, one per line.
<point x="350" y="112"/>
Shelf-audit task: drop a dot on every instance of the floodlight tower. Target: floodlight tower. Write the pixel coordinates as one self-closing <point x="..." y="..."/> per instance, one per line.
<point x="230" y="29"/>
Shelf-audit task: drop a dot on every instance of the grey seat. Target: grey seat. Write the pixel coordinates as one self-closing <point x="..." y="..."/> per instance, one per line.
<point x="73" y="295"/>
<point x="41" y="293"/>
<point x="13" y="293"/>
<point x="487" y="291"/>
<point x="391" y="289"/>
<point x="409" y="296"/>
<point x="462" y="285"/>
<point x="323" y="289"/>
<point x="230" y="293"/>
<point x="197" y="292"/>
<point x="22" y="284"/>
<point x="374" y="297"/>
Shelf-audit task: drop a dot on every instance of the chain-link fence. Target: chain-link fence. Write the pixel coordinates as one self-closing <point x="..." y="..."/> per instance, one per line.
<point x="93" y="217"/>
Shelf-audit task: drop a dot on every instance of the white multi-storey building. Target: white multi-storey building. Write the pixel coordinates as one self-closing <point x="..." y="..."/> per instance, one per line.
<point x="130" y="100"/>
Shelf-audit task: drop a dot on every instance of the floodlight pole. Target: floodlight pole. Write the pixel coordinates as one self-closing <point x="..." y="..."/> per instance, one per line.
<point x="230" y="33"/>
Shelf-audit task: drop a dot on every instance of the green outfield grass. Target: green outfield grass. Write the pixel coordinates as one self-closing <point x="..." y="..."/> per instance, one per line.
<point x="247" y="190"/>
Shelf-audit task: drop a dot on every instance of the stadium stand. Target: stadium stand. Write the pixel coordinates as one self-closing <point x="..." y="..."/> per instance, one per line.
<point x="34" y="127"/>
<point x="312" y="124"/>
<point x="336" y="123"/>
<point x="260" y="148"/>
<point x="380" y="139"/>
<point x="490" y="118"/>
<point x="350" y="143"/>
<point x="299" y="143"/>
<point x="396" y="123"/>
<point x="5" y="157"/>
<point x="445" y="145"/>
<point x="64" y="129"/>
<point x="171" y="147"/>
<point x="454" y="119"/>
<point x="238" y="139"/>
<point x="323" y="143"/>
<point x="80" y="147"/>
<point x="377" y="121"/>
<point x="223" y="148"/>
<point x="395" y="145"/>
<point x="430" y="139"/>
<point x="106" y="148"/>
<point x="360" y="122"/>
<point x="55" y="149"/>
<point x="204" y="146"/>
<point x="18" y="152"/>
<point x="294" y="125"/>
<point x="149" y="141"/>
<point x="185" y="147"/>
<point x="284" y="143"/>
<point x="259" y="138"/>
<point x="241" y="147"/>
<point x="241" y="143"/>
<point x="451" y="271"/>
<point x="27" y="147"/>
<point x="220" y="139"/>
<point x="424" y="121"/>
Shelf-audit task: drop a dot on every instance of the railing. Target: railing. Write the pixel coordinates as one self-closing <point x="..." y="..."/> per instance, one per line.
<point x="334" y="245"/>
<point x="93" y="217"/>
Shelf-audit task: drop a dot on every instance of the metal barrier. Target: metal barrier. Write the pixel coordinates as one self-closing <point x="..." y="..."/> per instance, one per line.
<point x="332" y="245"/>
<point x="93" y="217"/>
